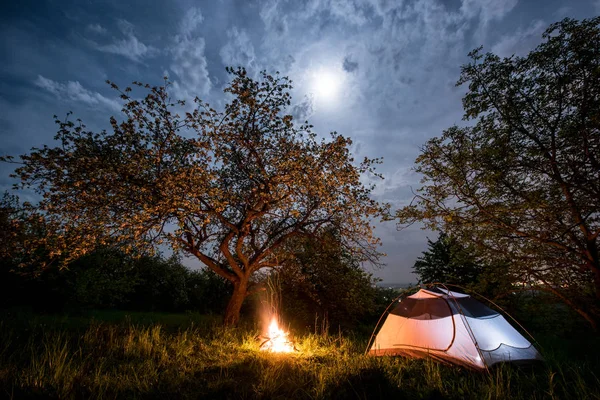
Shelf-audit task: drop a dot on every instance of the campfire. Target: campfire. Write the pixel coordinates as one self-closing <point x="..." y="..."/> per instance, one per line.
<point x="276" y="339"/>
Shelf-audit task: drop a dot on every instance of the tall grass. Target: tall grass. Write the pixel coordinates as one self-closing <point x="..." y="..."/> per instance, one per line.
<point x="203" y="360"/>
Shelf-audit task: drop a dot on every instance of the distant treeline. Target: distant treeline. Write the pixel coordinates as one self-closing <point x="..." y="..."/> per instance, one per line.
<point x="110" y="279"/>
<point x="317" y="298"/>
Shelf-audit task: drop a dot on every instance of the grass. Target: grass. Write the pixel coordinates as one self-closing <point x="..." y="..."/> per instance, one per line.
<point x="162" y="356"/>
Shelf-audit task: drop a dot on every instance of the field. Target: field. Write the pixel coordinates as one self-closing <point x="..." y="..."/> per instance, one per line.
<point x="166" y="356"/>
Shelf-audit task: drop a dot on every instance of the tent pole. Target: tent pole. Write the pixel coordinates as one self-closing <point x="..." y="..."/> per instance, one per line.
<point x="464" y="318"/>
<point x="498" y="307"/>
<point x="380" y="318"/>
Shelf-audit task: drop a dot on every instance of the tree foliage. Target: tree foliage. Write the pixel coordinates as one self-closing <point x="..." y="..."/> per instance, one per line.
<point x="23" y="233"/>
<point x="109" y="279"/>
<point x="446" y="261"/>
<point x="449" y="261"/>
<point x="104" y="278"/>
<point x="324" y="285"/>
<point x="523" y="180"/>
<point x="228" y="187"/>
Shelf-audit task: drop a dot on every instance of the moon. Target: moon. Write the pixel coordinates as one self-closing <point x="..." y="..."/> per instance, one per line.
<point x="326" y="85"/>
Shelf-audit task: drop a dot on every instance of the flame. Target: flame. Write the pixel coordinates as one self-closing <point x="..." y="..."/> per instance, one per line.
<point x="277" y="339"/>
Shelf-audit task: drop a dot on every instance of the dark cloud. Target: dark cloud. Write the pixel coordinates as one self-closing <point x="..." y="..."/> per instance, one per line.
<point x="303" y="110"/>
<point x="349" y="65"/>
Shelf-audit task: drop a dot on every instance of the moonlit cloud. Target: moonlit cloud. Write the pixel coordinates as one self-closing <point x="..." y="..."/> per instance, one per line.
<point x="96" y="28"/>
<point x="488" y="10"/>
<point x="72" y="90"/>
<point x="273" y="19"/>
<point x="521" y="41"/>
<point x="304" y="109"/>
<point x="239" y="50"/>
<point x="188" y="61"/>
<point x="129" y="46"/>
<point x="350" y="11"/>
<point x="191" y="21"/>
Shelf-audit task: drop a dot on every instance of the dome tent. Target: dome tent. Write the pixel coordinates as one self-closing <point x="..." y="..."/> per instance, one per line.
<point x="451" y="327"/>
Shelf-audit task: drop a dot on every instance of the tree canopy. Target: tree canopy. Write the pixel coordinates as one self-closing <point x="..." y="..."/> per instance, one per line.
<point x="228" y="187"/>
<point x="523" y="180"/>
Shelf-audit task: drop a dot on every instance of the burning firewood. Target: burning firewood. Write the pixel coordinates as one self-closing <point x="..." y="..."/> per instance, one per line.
<point x="276" y="340"/>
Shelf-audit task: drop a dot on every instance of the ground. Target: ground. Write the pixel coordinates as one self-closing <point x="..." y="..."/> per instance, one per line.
<point x="148" y="355"/>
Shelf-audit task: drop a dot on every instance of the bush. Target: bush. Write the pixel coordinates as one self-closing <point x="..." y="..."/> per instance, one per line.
<point x="108" y="278"/>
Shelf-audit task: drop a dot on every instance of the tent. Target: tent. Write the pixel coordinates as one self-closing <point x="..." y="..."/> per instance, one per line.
<point x="452" y="327"/>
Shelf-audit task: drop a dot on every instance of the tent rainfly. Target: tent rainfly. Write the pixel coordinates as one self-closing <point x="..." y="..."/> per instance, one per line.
<point x="451" y="327"/>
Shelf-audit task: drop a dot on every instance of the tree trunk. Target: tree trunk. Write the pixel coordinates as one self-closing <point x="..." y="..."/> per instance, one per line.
<point x="596" y="307"/>
<point x="590" y="317"/>
<point x="232" y="313"/>
<point x="594" y="266"/>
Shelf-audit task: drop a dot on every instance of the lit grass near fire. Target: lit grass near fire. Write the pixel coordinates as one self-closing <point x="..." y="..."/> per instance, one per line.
<point x="204" y="360"/>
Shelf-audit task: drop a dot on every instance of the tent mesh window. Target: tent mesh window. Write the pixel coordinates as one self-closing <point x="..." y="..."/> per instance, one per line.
<point x="474" y="309"/>
<point x="422" y="308"/>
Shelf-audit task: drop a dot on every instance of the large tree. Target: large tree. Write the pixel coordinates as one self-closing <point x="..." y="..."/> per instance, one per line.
<point x="523" y="179"/>
<point x="228" y="187"/>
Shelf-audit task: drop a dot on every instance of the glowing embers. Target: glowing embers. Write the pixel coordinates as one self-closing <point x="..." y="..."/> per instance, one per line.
<point x="276" y="340"/>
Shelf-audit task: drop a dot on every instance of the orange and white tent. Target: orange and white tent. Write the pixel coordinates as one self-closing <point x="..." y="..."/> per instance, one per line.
<point x="453" y="327"/>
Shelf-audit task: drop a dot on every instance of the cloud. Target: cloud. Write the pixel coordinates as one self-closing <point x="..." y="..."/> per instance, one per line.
<point x="349" y="65"/>
<point x="400" y="59"/>
<point x="273" y="18"/>
<point x="189" y="62"/>
<point x="130" y="46"/>
<point x="412" y="41"/>
<point x="488" y="10"/>
<point x="381" y="7"/>
<point x="238" y="51"/>
<point x="96" y="28"/>
<point x="73" y="91"/>
<point x="398" y="186"/>
<point x="521" y="42"/>
<point x="304" y="109"/>
<point x="191" y="21"/>
<point x="350" y="11"/>
<point x="126" y="27"/>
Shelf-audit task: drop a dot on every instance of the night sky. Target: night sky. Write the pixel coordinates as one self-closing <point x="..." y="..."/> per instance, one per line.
<point x="381" y="72"/>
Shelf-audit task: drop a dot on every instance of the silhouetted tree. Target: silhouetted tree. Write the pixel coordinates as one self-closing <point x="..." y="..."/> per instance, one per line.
<point x="447" y="261"/>
<point x="450" y="262"/>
